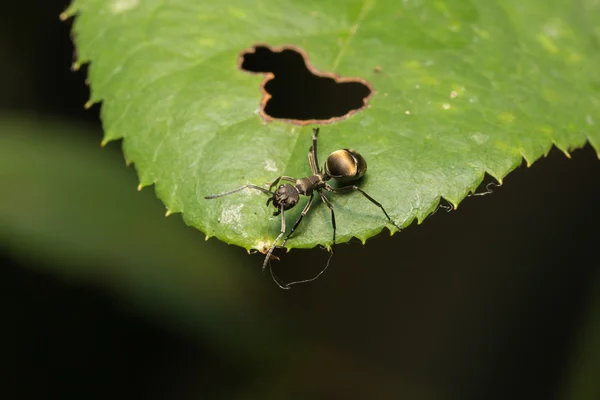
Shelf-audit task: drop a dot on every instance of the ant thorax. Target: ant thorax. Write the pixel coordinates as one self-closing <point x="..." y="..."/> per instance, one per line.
<point x="306" y="185"/>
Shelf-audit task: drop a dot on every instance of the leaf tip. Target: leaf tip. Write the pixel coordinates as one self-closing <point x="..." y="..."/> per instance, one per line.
<point x="104" y="142"/>
<point x="88" y="105"/>
<point x="68" y="13"/>
<point x="75" y="67"/>
<point x="527" y="161"/>
<point x="168" y="213"/>
<point x="140" y="187"/>
<point x="453" y="205"/>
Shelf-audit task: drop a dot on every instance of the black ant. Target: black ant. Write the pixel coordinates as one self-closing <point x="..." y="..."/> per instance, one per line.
<point x="345" y="165"/>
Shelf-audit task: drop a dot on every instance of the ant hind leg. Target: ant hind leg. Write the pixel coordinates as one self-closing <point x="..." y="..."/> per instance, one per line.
<point x="302" y="214"/>
<point x="346" y="189"/>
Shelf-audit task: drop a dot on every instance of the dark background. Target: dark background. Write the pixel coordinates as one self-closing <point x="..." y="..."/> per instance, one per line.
<point x="488" y="301"/>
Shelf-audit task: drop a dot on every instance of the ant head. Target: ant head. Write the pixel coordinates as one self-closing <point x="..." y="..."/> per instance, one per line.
<point x="286" y="196"/>
<point x="345" y="165"/>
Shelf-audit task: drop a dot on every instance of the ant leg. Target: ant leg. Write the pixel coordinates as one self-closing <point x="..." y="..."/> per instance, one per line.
<point x="265" y="191"/>
<point x="282" y="177"/>
<point x="346" y="189"/>
<point x="330" y="206"/>
<point x="313" y="159"/>
<point x="268" y="256"/>
<point x="304" y="212"/>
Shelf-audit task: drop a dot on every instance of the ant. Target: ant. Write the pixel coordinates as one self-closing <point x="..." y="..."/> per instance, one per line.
<point x="345" y="165"/>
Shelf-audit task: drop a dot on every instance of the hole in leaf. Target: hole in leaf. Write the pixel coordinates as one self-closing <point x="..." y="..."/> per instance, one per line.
<point x="294" y="91"/>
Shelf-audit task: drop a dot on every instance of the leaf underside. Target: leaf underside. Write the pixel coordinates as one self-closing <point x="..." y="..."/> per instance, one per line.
<point x="463" y="88"/>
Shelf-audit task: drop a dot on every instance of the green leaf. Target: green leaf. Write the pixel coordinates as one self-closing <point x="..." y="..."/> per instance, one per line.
<point x="463" y="88"/>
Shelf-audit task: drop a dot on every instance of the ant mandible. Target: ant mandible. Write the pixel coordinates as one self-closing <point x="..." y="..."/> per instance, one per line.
<point x="345" y="165"/>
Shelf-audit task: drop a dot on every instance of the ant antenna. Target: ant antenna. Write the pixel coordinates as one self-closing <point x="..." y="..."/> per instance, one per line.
<point x="488" y="189"/>
<point x="279" y="282"/>
<point x="314" y="278"/>
<point x="286" y="286"/>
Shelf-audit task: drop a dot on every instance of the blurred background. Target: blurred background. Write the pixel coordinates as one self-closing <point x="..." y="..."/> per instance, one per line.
<point x="101" y="294"/>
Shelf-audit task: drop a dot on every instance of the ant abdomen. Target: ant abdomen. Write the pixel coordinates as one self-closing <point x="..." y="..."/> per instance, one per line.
<point x="345" y="165"/>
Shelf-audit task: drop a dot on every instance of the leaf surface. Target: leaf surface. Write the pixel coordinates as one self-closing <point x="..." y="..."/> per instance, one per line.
<point x="463" y="88"/>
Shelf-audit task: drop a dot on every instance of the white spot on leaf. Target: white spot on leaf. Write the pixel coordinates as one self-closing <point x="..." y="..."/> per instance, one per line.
<point x="589" y="120"/>
<point x="366" y="121"/>
<point x="479" y="137"/>
<point x="454" y="27"/>
<point x="119" y="6"/>
<point x="232" y="215"/>
<point x="552" y="29"/>
<point x="270" y="166"/>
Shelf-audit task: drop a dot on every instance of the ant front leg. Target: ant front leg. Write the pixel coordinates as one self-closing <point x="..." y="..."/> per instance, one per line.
<point x="346" y="189"/>
<point x="302" y="214"/>
<point x="270" y="252"/>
